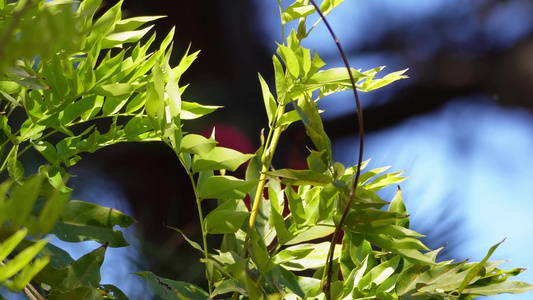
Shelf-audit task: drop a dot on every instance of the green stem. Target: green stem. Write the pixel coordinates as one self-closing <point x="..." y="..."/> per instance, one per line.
<point x="202" y="228"/>
<point x="199" y="208"/>
<point x="270" y="148"/>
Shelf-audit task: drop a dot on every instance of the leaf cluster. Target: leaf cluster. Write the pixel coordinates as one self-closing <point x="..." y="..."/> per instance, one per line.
<point x="104" y="69"/>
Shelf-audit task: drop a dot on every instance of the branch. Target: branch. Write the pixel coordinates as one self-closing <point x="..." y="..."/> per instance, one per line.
<point x="329" y="269"/>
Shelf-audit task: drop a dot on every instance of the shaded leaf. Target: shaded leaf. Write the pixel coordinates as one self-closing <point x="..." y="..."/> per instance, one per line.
<point x="227" y="217"/>
<point x="82" y="221"/>
<point x="171" y="290"/>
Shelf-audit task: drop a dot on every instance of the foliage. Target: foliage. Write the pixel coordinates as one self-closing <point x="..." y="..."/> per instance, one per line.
<point x="65" y="80"/>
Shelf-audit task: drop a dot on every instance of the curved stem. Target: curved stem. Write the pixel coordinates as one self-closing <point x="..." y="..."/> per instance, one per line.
<point x="329" y="269"/>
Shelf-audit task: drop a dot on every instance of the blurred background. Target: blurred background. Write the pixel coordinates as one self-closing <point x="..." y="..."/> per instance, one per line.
<point x="461" y="125"/>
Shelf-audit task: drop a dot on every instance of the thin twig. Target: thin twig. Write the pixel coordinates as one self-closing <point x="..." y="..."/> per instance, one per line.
<point x="32" y="293"/>
<point x="327" y="287"/>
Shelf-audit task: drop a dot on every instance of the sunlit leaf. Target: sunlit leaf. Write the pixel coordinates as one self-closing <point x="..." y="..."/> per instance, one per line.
<point x="193" y="110"/>
<point x="301" y="177"/>
<point x="197" y="144"/>
<point x="476" y="270"/>
<point x="114" y="90"/>
<point x="290" y="60"/>
<point x="225" y="187"/>
<point x="268" y="100"/>
<point x="397" y="205"/>
<point x="295" y="11"/>
<point x="373" y="84"/>
<point x="378" y="274"/>
<point x="220" y="158"/>
<point x="312" y="260"/>
<point x="513" y="287"/>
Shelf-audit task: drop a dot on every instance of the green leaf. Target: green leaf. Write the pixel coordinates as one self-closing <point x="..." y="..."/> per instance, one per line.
<point x="477" y="269"/>
<point x="82" y="292"/>
<point x="268" y="100"/>
<point x="282" y="233"/>
<point x="82" y="108"/>
<point x="7" y="129"/>
<point x="22" y="200"/>
<point x="51" y="211"/>
<point x="11" y="243"/>
<point x="193" y="110"/>
<point x="288" y="118"/>
<point x="21" y="280"/>
<point x="220" y="158"/>
<point x="173" y="290"/>
<point x="194" y="244"/>
<point x="290" y="60"/>
<point x="173" y="92"/>
<point x="371" y="84"/>
<point x="109" y="67"/>
<point x="56" y="177"/>
<point x="417" y="275"/>
<point x="295" y="11"/>
<point x="22" y="260"/>
<point x="327" y="6"/>
<point x="290" y="253"/>
<point x="259" y="252"/>
<point x="33" y="103"/>
<point x="334" y="76"/>
<point x="197" y="144"/>
<point x="82" y="221"/>
<point x="513" y="287"/>
<point x="185" y="62"/>
<point x="9" y="87"/>
<point x="229" y="286"/>
<point x="134" y="23"/>
<point x="314" y="259"/>
<point x="301" y="177"/>
<point x="227" y="217"/>
<point x="318" y="161"/>
<point x="378" y="274"/>
<point x="84" y="272"/>
<point x="115" y="291"/>
<point x="112" y="105"/>
<point x="31" y="131"/>
<point x="372" y="217"/>
<point x="281" y="84"/>
<point x="14" y="166"/>
<point x="385" y="180"/>
<point x="104" y="24"/>
<point x="225" y="187"/>
<point x="308" y="111"/>
<point x="115" y="89"/>
<point x="118" y="38"/>
<point x="136" y="103"/>
<point x="398" y="206"/>
<point x="311" y="233"/>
